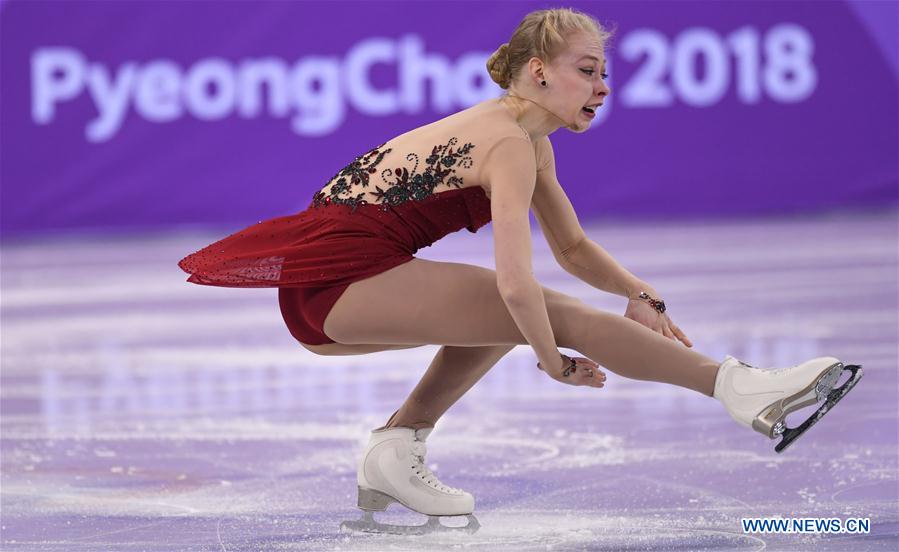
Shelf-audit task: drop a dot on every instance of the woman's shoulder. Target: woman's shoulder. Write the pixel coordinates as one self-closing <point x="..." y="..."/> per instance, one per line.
<point x="509" y="145"/>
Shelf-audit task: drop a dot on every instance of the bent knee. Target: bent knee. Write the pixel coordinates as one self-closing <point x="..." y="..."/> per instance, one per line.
<point x="569" y="317"/>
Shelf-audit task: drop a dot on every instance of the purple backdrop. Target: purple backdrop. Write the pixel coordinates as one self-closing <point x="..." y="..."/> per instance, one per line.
<point x="136" y="114"/>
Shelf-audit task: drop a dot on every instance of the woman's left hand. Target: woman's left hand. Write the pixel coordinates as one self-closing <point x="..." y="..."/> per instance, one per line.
<point x="641" y="311"/>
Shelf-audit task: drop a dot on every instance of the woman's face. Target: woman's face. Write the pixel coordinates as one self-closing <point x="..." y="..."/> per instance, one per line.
<point x="575" y="81"/>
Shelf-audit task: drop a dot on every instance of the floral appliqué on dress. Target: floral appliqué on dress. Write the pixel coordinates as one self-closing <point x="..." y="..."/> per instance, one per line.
<point x="402" y="185"/>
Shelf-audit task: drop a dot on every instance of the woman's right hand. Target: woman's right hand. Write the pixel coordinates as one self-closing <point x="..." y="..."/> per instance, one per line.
<point x="586" y="372"/>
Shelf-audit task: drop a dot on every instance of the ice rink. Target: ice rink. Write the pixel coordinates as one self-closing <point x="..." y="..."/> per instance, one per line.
<point x="141" y="412"/>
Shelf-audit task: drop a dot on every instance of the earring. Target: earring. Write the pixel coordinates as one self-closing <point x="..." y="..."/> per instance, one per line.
<point x="543" y="83"/>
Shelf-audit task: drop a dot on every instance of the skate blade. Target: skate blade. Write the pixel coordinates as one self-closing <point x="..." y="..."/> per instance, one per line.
<point x="368" y="524"/>
<point x="770" y="421"/>
<point x="833" y="397"/>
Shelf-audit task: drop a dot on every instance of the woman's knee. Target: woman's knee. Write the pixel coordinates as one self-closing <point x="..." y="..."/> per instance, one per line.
<point x="569" y="317"/>
<point x="596" y="324"/>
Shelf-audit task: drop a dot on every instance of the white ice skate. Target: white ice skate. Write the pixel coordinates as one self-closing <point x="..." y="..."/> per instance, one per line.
<point x="761" y="399"/>
<point x="392" y="469"/>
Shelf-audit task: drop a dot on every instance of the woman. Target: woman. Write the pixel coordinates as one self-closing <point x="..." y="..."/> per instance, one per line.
<point x="349" y="283"/>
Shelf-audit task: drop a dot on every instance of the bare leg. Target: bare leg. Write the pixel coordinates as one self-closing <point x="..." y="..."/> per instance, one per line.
<point x="451" y="374"/>
<point x="632" y="350"/>
<point x="459" y="304"/>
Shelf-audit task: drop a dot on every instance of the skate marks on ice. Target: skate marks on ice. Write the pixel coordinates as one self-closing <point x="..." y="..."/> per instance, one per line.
<point x="536" y="530"/>
<point x="563" y="500"/>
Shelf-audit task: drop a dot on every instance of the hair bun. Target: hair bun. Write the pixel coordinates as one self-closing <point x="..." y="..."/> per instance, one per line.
<point x="498" y="66"/>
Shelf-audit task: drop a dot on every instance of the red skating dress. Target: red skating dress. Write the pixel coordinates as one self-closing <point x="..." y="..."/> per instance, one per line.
<point x="312" y="256"/>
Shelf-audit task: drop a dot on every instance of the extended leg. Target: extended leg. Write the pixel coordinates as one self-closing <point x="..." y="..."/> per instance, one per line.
<point x="630" y="349"/>
<point x="459" y="304"/>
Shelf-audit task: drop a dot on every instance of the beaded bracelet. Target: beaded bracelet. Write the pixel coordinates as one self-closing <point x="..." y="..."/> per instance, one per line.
<point x="657" y="304"/>
<point x="572" y="366"/>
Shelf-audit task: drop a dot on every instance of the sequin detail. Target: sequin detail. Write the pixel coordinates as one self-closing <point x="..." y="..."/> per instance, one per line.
<point x="402" y="185"/>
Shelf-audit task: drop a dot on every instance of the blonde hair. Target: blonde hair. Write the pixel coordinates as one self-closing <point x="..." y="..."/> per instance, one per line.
<point x="540" y="34"/>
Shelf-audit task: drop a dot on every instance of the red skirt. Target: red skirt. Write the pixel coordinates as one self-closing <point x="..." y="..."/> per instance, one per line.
<point x="314" y="255"/>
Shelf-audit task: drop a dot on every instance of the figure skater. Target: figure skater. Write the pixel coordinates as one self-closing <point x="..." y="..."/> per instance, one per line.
<point x="349" y="282"/>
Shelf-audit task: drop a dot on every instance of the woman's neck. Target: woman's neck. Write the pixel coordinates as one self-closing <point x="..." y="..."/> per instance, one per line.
<point x="533" y="117"/>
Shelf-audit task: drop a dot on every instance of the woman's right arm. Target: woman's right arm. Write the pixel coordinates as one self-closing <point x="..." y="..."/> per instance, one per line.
<point x="511" y="171"/>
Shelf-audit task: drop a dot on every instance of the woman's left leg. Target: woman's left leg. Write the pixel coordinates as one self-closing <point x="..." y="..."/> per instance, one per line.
<point x="452" y="373"/>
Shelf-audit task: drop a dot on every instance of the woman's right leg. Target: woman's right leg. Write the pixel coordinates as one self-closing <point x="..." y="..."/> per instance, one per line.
<point x="445" y="303"/>
<point x="451" y="374"/>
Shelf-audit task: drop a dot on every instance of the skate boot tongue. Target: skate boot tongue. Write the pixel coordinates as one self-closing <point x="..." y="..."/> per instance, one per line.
<point x="418" y="447"/>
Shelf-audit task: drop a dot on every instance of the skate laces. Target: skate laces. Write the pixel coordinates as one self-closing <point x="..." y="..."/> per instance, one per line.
<point x="769" y="372"/>
<point x="419" y="450"/>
